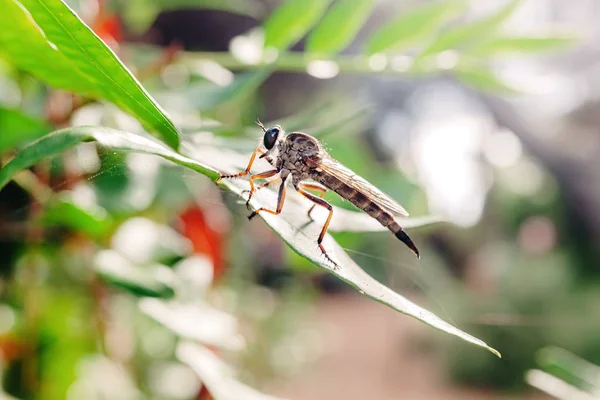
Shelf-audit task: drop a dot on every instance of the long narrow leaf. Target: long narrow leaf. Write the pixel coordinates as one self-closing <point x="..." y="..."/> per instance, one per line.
<point x="483" y="80"/>
<point x="291" y="20"/>
<point x="472" y="32"/>
<point x="293" y="225"/>
<point x="412" y="27"/>
<point x="339" y="26"/>
<point x="215" y="374"/>
<point x="60" y="141"/>
<point x="520" y="45"/>
<point x="46" y="38"/>
<point x="17" y="128"/>
<point x="215" y="96"/>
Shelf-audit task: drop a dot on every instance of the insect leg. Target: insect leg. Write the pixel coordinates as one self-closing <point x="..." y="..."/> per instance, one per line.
<point x="313" y="186"/>
<point x="245" y="172"/>
<point x="319" y="201"/>
<point x="264" y="185"/>
<point x="254" y="177"/>
<point x="280" y="201"/>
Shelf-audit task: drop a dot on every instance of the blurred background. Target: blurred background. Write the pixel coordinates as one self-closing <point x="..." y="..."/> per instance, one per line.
<point x="114" y="266"/>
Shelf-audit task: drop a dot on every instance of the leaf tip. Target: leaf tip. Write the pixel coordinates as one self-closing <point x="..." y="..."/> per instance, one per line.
<point x="496" y="352"/>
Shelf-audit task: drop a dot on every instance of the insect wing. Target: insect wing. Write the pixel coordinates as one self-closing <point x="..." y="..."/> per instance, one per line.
<point x="336" y="169"/>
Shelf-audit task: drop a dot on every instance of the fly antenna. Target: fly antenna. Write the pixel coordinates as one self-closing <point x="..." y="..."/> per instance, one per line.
<point x="261" y="125"/>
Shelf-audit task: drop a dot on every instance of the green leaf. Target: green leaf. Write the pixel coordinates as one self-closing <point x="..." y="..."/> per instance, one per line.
<point x="47" y="39"/>
<point x="569" y="367"/>
<point x="339" y="26"/>
<point x="16" y="128"/>
<point x="95" y="223"/>
<point x="292" y="225"/>
<point x="467" y="33"/>
<point x="529" y="45"/>
<point x="483" y="80"/>
<point x="60" y="141"/>
<point x="291" y="20"/>
<point x="146" y="281"/>
<point x="206" y="97"/>
<point x="412" y="27"/>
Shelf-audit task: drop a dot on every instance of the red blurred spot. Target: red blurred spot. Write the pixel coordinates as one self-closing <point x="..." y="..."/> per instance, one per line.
<point x="107" y="25"/>
<point x="12" y="348"/>
<point x="204" y="394"/>
<point x="109" y="29"/>
<point x="204" y="238"/>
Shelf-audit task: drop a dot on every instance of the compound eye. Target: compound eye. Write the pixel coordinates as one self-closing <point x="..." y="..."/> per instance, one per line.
<point x="270" y="138"/>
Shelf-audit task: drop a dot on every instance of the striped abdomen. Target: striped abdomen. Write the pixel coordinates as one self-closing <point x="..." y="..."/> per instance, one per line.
<point x="361" y="201"/>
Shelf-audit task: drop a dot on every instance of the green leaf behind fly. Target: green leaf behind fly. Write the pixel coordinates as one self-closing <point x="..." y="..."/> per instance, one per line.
<point x="412" y="27"/>
<point x="47" y="39"/>
<point x="292" y="20"/>
<point x="339" y="26"/>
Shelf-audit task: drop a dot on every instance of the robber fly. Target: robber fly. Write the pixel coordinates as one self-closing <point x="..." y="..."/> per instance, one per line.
<point x="301" y="157"/>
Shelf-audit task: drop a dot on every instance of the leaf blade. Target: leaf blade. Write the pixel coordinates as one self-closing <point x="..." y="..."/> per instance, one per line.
<point x="16" y="128"/>
<point x="411" y="27"/>
<point x="530" y="45"/>
<point x="243" y="84"/>
<point x="470" y="32"/>
<point x="55" y="45"/>
<point x="483" y="80"/>
<point x="62" y="140"/>
<point x="290" y="21"/>
<point x="215" y="374"/>
<point x="93" y="222"/>
<point x="339" y="26"/>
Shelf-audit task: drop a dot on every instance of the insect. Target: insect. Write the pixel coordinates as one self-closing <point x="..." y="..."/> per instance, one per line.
<point x="301" y="158"/>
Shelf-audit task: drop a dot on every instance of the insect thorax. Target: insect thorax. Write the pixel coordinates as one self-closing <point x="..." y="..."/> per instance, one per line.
<point x="298" y="153"/>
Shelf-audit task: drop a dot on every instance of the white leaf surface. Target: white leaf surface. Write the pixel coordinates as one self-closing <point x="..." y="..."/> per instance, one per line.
<point x="216" y="375"/>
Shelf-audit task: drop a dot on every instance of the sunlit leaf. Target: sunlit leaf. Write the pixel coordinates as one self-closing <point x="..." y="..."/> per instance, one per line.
<point x="483" y="80"/>
<point x="196" y="321"/>
<point x="501" y="45"/>
<point x="468" y="33"/>
<point x="412" y="26"/>
<point x="293" y="225"/>
<point x="569" y="367"/>
<point x="291" y="20"/>
<point x="47" y="39"/>
<point x="208" y="97"/>
<point x="339" y="26"/>
<point x="216" y="375"/>
<point x="143" y="281"/>
<point x="59" y="141"/>
<point x="16" y="128"/>
<point x="556" y="387"/>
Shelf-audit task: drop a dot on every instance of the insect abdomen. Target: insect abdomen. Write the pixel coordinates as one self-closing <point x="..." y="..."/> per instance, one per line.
<point x="362" y="202"/>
